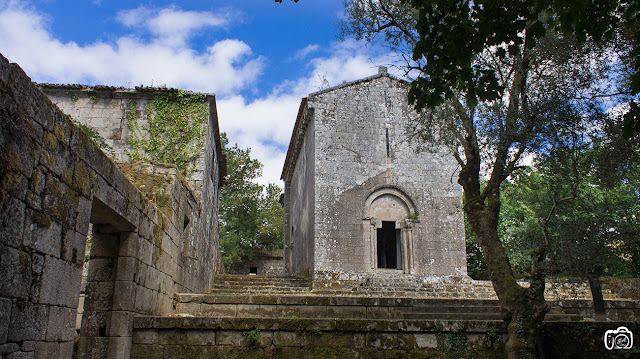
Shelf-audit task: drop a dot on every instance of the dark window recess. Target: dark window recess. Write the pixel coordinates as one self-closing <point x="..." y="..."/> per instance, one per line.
<point x="388" y="240"/>
<point x="388" y="147"/>
<point x="253" y="270"/>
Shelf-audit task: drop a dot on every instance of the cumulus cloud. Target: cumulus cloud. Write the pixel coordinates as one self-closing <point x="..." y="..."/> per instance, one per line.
<point x="304" y="52"/>
<point x="172" y="25"/>
<point x="266" y="124"/>
<point x="223" y="67"/>
<point x="152" y="55"/>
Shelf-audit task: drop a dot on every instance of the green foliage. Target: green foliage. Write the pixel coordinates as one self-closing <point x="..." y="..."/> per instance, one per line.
<point x="72" y="96"/>
<point x="476" y="264"/>
<point x="175" y="129"/>
<point x="586" y="199"/>
<point x="454" y="34"/>
<point x="251" y="216"/>
<point x="253" y="338"/>
<point x="95" y="137"/>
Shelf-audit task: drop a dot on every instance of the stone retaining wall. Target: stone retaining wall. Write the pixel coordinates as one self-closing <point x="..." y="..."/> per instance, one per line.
<point x="54" y="182"/>
<point x="156" y="338"/>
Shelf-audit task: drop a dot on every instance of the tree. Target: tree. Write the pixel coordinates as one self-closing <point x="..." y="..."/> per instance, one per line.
<point x="251" y="217"/>
<point x="499" y="80"/>
<point x="587" y="212"/>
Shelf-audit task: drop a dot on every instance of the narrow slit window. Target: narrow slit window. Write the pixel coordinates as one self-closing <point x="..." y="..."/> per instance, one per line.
<point x="388" y="148"/>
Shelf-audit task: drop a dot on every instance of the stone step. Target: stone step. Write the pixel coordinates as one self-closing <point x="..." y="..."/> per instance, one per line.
<point x="260" y="279"/>
<point x="314" y="306"/>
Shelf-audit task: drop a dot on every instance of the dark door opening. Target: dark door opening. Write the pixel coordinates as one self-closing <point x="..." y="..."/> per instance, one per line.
<point x="388" y="240"/>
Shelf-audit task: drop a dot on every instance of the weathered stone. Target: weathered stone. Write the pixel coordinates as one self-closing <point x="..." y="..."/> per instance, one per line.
<point x="8" y="348"/>
<point x="358" y="198"/>
<point x="201" y="337"/>
<point x="61" y="324"/>
<point x="60" y="274"/>
<point x="12" y="212"/>
<point x="42" y="233"/>
<point x="5" y="318"/>
<point x="15" y="266"/>
<point x="28" y="322"/>
<point x="21" y="355"/>
<point x="121" y="324"/>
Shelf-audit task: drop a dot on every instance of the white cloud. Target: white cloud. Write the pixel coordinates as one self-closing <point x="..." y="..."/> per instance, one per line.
<point x="223" y="67"/>
<point x="172" y="25"/>
<point x="304" y="52"/>
<point x="266" y="124"/>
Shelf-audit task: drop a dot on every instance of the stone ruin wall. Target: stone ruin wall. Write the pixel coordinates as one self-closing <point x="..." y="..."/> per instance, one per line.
<point x="104" y="109"/>
<point x="54" y="182"/>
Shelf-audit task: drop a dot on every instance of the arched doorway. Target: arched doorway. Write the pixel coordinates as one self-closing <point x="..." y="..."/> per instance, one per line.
<point x="388" y="229"/>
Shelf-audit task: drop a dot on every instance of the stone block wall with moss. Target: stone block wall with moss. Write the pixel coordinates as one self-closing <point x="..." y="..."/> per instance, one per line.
<point x="146" y="123"/>
<point x="55" y="181"/>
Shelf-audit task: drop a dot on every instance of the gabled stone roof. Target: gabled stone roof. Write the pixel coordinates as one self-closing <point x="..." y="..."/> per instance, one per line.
<point x="300" y="125"/>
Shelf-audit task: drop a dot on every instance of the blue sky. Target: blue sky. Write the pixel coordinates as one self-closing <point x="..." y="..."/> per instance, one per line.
<point x="259" y="57"/>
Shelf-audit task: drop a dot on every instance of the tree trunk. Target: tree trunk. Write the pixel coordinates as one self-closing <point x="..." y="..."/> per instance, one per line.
<point x="523" y="308"/>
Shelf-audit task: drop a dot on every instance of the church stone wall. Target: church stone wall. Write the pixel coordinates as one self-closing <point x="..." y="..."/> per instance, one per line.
<point x="301" y="224"/>
<point x="54" y="183"/>
<point x="352" y="124"/>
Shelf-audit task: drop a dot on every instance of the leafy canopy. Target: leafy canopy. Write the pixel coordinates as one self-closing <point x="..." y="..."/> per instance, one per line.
<point x="250" y="214"/>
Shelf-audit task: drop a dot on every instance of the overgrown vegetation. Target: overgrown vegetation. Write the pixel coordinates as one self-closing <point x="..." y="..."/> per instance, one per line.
<point x="95" y="137"/>
<point x="175" y="129"/>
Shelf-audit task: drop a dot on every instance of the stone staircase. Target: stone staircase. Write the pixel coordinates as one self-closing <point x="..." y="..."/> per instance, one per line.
<point x="389" y="286"/>
<point x="272" y="317"/>
<point x="384" y="297"/>
<point x="312" y="306"/>
<point x="254" y="284"/>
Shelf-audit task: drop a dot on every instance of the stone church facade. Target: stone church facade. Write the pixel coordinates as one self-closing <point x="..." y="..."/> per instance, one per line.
<point x="358" y="198"/>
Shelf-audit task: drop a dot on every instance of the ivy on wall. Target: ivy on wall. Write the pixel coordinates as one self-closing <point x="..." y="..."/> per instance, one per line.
<point x="175" y="129"/>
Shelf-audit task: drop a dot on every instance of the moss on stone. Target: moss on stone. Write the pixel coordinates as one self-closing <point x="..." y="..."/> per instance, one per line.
<point x="67" y="175"/>
<point x="154" y="187"/>
<point x="41" y="220"/>
<point x="82" y="180"/>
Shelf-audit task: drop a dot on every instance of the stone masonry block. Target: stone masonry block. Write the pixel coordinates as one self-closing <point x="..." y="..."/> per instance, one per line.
<point x="201" y="337"/>
<point x="8" y="348"/>
<point x="54" y="349"/>
<point x="119" y="347"/>
<point x="73" y="247"/>
<point x="61" y="324"/>
<point x="125" y="295"/>
<point x="142" y="336"/>
<point x="15" y="266"/>
<point x="147" y="351"/>
<point x="21" y="355"/>
<point x="172" y="337"/>
<point x="219" y="310"/>
<point x="5" y="318"/>
<point x="28" y="322"/>
<point x="121" y="324"/>
<point x="233" y="338"/>
<point x="12" y="213"/>
<point x="42" y="233"/>
<point x="126" y="268"/>
<point x="60" y="283"/>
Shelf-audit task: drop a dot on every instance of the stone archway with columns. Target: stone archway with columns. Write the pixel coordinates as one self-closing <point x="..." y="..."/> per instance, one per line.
<point x="389" y="205"/>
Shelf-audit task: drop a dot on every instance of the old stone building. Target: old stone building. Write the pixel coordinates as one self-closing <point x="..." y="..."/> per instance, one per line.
<point x="358" y="198"/>
<point x="152" y="236"/>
